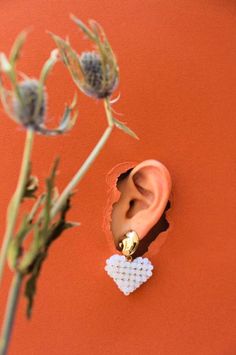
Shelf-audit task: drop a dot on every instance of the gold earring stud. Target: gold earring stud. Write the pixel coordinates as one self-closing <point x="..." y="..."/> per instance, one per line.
<point x="129" y="244"/>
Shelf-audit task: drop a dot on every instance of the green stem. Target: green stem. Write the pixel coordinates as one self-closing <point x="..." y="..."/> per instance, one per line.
<point x="107" y="106"/>
<point x="80" y="173"/>
<point x="86" y="165"/>
<point x="13" y="207"/>
<point x="10" y="313"/>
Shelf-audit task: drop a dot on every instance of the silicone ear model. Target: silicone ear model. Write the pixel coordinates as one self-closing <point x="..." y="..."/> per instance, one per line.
<point x="144" y="194"/>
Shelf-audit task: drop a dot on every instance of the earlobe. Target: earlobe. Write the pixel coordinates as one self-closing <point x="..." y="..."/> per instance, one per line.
<point x="144" y="196"/>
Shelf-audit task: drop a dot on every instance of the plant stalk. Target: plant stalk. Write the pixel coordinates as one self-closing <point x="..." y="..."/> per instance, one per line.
<point x="13" y="211"/>
<point x="86" y="165"/>
<point x="13" y="207"/>
<point x="10" y="313"/>
<point x="107" y="106"/>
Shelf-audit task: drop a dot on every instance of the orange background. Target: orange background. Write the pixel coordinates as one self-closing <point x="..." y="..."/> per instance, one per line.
<point x="178" y="92"/>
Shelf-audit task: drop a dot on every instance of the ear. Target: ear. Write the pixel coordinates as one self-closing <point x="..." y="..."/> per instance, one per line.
<point x="144" y="196"/>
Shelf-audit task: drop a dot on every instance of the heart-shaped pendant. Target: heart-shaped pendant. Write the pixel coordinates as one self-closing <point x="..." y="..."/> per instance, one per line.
<point x="128" y="275"/>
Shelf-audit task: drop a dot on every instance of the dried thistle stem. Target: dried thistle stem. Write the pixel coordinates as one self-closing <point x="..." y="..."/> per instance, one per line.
<point x="13" y="207"/>
<point x="108" y="112"/>
<point x="10" y="313"/>
<point x="88" y="162"/>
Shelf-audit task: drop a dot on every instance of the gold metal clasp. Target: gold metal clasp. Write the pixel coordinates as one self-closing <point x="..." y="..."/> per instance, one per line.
<point x="129" y="244"/>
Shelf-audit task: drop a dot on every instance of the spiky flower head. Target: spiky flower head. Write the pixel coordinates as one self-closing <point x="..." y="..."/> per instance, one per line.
<point x="26" y="112"/>
<point x="26" y="102"/>
<point x="97" y="83"/>
<point x="96" y="72"/>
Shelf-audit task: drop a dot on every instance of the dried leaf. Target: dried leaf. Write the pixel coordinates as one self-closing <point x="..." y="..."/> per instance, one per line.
<point x="35" y="208"/>
<point x="125" y="128"/>
<point x="47" y="68"/>
<point x="31" y="283"/>
<point x="16" y="245"/>
<point x="50" y="182"/>
<point x="31" y="255"/>
<point x="83" y="27"/>
<point x="45" y="233"/>
<point x="17" y="46"/>
<point x="70" y="58"/>
<point x="31" y="187"/>
<point x="55" y="231"/>
<point x="9" y="70"/>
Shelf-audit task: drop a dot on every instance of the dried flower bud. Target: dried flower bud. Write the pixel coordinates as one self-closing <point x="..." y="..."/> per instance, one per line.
<point x="96" y="73"/>
<point x="26" y="109"/>
<point x="26" y="102"/>
<point x="99" y="82"/>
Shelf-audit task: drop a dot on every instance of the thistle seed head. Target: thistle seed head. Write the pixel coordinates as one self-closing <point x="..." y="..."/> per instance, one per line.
<point x="25" y="108"/>
<point x="100" y="80"/>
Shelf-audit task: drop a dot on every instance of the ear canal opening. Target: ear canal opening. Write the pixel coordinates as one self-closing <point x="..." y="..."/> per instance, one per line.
<point x="161" y="226"/>
<point x="130" y="212"/>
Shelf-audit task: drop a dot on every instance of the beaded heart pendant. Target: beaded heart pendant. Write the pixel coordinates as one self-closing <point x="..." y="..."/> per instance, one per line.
<point x="128" y="275"/>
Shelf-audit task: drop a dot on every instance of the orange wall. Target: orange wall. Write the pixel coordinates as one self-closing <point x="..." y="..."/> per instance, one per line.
<point x="178" y="92"/>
